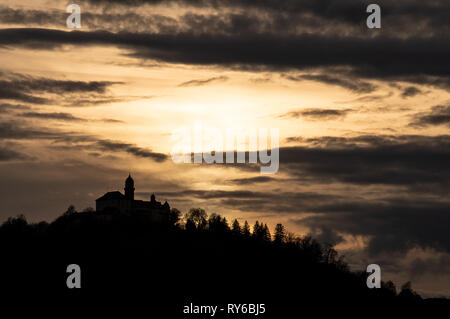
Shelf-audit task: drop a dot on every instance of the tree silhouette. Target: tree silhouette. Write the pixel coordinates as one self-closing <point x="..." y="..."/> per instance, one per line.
<point x="190" y="225"/>
<point x="265" y="233"/>
<point x="196" y="217"/>
<point x="246" y="230"/>
<point x="280" y="234"/>
<point x="390" y="288"/>
<point x="236" y="228"/>
<point x="15" y="226"/>
<point x="70" y="210"/>
<point x="257" y="230"/>
<point x="125" y="254"/>
<point x="311" y="248"/>
<point x="407" y="293"/>
<point x="216" y="223"/>
<point x="174" y="217"/>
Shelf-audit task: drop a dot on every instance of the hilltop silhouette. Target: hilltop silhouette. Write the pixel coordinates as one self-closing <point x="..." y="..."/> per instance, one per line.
<point x="134" y="263"/>
<point x="125" y="203"/>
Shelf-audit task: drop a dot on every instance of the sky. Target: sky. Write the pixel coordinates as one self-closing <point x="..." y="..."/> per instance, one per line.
<point x="363" y="117"/>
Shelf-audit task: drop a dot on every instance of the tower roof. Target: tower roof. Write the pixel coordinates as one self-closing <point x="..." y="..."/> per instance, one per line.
<point x="129" y="180"/>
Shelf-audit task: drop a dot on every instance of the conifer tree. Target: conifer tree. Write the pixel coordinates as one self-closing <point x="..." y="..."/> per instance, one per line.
<point x="256" y="230"/>
<point x="280" y="234"/>
<point x="236" y="228"/>
<point x="266" y="233"/>
<point x="246" y="230"/>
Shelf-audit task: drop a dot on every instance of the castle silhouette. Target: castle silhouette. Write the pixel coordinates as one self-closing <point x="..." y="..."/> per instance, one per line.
<point x="126" y="204"/>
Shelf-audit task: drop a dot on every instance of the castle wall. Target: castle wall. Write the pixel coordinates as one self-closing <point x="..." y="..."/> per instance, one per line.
<point x="122" y="205"/>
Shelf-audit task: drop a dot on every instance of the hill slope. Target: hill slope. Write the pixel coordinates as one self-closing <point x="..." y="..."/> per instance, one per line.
<point x="131" y="262"/>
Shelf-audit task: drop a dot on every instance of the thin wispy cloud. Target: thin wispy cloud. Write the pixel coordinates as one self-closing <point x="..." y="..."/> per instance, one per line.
<point x="203" y="82"/>
<point x="317" y="114"/>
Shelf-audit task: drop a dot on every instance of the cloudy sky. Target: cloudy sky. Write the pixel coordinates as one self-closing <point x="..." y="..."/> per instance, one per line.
<point x="363" y="116"/>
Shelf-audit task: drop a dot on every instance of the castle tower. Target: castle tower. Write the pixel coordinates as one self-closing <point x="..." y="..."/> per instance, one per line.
<point x="129" y="188"/>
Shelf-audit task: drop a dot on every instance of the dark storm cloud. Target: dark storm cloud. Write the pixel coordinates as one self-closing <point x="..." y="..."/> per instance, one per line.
<point x="113" y="121"/>
<point x="346" y="10"/>
<point x="208" y="194"/>
<point x="132" y="149"/>
<point x="102" y="20"/>
<point x="420" y="266"/>
<point x="320" y="16"/>
<point x="326" y="236"/>
<point x="40" y="90"/>
<point x="53" y="116"/>
<point x="392" y="59"/>
<point x="62" y="116"/>
<point x="94" y="101"/>
<point x="10" y="93"/>
<point x="101" y="148"/>
<point x="73" y="141"/>
<point x="7" y="107"/>
<point x="221" y="23"/>
<point x="203" y="82"/>
<point x="19" y="16"/>
<point x="408" y="160"/>
<point x="411" y="91"/>
<point x="89" y="143"/>
<point x="438" y="82"/>
<point x="264" y="202"/>
<point x="252" y="180"/>
<point x="368" y="98"/>
<point x="36" y="90"/>
<point x="317" y="114"/>
<point x="353" y="85"/>
<point x="245" y="17"/>
<point x="439" y="115"/>
<point x="418" y="164"/>
<point x="21" y="131"/>
<point x="21" y="82"/>
<point x="393" y="224"/>
<point x="7" y="154"/>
